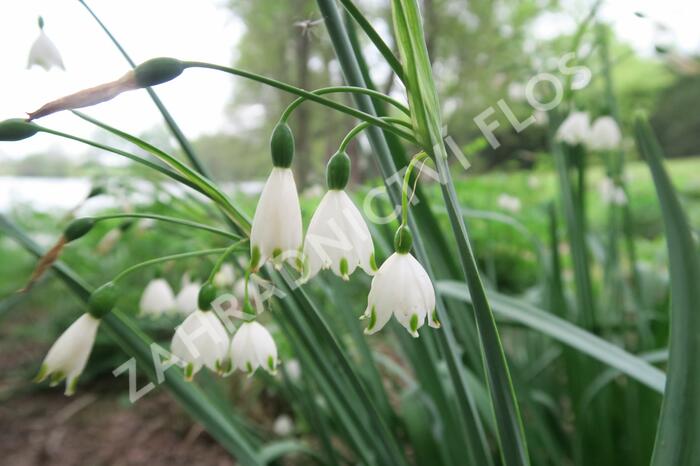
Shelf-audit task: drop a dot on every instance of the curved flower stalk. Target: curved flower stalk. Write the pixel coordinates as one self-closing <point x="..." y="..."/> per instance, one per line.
<point x="401" y="288"/>
<point x="276" y="233"/>
<point x="575" y="129"/>
<point x="69" y="354"/>
<point x="338" y="237"/>
<point x="43" y="52"/>
<point x="157" y="298"/>
<point x="604" y="135"/>
<point x="251" y="347"/>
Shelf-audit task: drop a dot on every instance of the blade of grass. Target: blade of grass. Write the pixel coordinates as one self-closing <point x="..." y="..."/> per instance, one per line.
<point x="679" y="424"/>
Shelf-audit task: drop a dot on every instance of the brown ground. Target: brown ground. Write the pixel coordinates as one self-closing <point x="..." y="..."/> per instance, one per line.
<point x="46" y="428"/>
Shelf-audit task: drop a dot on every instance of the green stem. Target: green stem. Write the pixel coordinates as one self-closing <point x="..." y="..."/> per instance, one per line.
<point x="164" y="170"/>
<point x="308" y="95"/>
<point x="406" y="180"/>
<point x="350" y="89"/>
<point x="219" y="262"/>
<point x="364" y="125"/>
<point x="160" y="260"/>
<point x="175" y="220"/>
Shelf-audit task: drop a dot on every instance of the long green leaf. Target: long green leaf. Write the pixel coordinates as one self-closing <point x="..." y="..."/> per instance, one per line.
<point x="678" y="436"/>
<point x="544" y="322"/>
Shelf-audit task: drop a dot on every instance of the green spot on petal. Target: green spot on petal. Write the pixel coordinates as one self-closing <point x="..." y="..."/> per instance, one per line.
<point x="276" y="253"/>
<point x="414" y="323"/>
<point x="249" y="367"/>
<point x="255" y="258"/>
<point x="344" y="268"/>
<point x="373" y="262"/>
<point x="372" y="319"/>
<point x="189" y="371"/>
<point x="71" y="385"/>
<point x="41" y="375"/>
<point x="271" y="364"/>
<point x="56" y="378"/>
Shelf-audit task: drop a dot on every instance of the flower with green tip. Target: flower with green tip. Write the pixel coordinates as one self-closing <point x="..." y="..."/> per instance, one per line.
<point x="69" y="354"/>
<point x="43" y="52"/>
<point x="337" y="238"/>
<point x="402" y="288"/>
<point x="575" y="129"/>
<point x="276" y="232"/>
<point x="201" y="341"/>
<point x="251" y="347"/>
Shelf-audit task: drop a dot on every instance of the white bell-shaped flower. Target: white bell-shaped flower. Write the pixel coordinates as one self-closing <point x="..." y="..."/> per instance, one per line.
<point x="186" y="300"/>
<point x="109" y="240"/>
<point x="605" y="134"/>
<point x="225" y="277"/>
<point x="43" y="52"/>
<point x="401" y="287"/>
<point x="611" y="193"/>
<point x="157" y="298"/>
<point x="575" y="129"/>
<point x="251" y="347"/>
<point x="276" y="233"/>
<point x="338" y="238"/>
<point x="69" y="354"/>
<point x="201" y="340"/>
<point x="509" y="203"/>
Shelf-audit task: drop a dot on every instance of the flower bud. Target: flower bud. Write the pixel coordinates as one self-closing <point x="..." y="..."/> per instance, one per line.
<point x="158" y="71"/>
<point x="403" y="241"/>
<point x="338" y="171"/>
<point x="16" y="129"/>
<point x="78" y="228"/>
<point x="282" y="146"/>
<point x="103" y="300"/>
<point x="207" y="294"/>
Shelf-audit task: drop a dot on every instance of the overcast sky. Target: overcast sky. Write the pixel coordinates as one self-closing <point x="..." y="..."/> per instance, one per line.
<point x="201" y="30"/>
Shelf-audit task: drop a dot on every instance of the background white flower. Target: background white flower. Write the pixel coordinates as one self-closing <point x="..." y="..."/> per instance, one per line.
<point x="605" y="134"/>
<point x="509" y="203"/>
<point x="251" y="347"/>
<point x="186" y="300"/>
<point x="44" y="53"/>
<point x="337" y="238"/>
<point x="201" y="340"/>
<point x="225" y="276"/>
<point x="575" y="129"/>
<point x="283" y="425"/>
<point x="276" y="227"/>
<point x="157" y="298"/>
<point x="69" y="353"/>
<point x="403" y="288"/>
<point x="611" y="193"/>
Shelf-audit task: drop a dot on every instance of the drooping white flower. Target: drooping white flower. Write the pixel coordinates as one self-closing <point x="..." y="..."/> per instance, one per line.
<point x="401" y="287"/>
<point x="109" y="240"/>
<point x="338" y="238"/>
<point x="69" y="354"/>
<point x="225" y="276"/>
<point x="276" y="233"/>
<point x="186" y="300"/>
<point x="43" y="52"/>
<point x="611" y="193"/>
<point x="575" y="129"/>
<point x="157" y="298"/>
<point x="283" y="425"/>
<point x="201" y="340"/>
<point x="605" y="134"/>
<point x="251" y="347"/>
<point x="509" y="203"/>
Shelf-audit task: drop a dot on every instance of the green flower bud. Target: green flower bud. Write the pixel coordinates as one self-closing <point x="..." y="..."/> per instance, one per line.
<point x="207" y="294"/>
<point x="78" y="228"/>
<point x="97" y="190"/>
<point x="158" y="71"/>
<point x="403" y="241"/>
<point x="16" y="129"/>
<point x="282" y="146"/>
<point x="338" y="171"/>
<point x="103" y="300"/>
